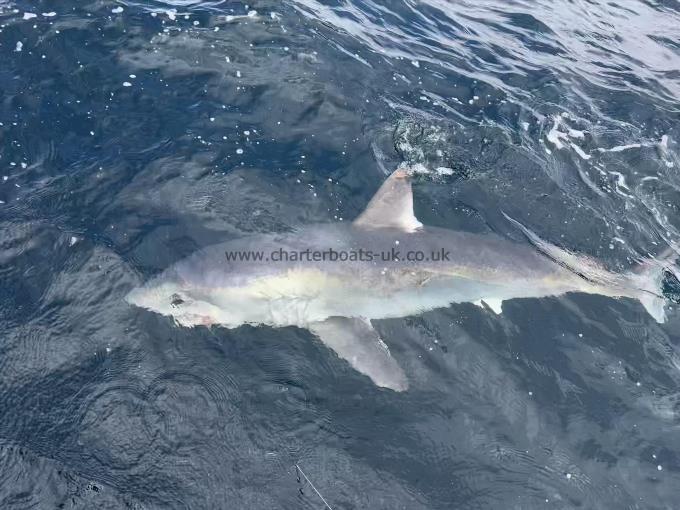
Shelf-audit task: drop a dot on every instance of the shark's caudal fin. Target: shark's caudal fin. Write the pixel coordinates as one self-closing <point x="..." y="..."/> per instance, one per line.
<point x="356" y="341"/>
<point x="392" y="205"/>
<point x="648" y="278"/>
<point x="643" y="283"/>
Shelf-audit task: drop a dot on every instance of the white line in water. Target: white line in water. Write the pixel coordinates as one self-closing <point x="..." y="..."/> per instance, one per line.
<point x="315" y="489"/>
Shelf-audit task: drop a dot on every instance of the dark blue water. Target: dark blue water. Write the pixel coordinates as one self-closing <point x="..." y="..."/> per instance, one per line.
<point x="134" y="133"/>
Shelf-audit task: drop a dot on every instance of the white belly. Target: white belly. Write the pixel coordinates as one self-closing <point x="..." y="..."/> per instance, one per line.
<point x="298" y="298"/>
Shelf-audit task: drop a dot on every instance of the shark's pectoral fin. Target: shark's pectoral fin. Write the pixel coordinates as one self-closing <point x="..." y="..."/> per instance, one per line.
<point x="391" y="206"/>
<point x="356" y="341"/>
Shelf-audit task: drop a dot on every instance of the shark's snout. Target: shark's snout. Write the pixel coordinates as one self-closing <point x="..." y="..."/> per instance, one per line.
<point x="151" y="297"/>
<point x="171" y="299"/>
<point x="134" y="297"/>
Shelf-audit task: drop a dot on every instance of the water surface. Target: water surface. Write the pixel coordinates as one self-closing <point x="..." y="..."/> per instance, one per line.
<point x="134" y="133"/>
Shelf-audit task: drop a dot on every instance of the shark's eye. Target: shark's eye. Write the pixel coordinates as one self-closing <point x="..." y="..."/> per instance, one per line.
<point x="176" y="300"/>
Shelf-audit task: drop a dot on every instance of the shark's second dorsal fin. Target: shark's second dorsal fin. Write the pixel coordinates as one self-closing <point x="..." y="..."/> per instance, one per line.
<point x="391" y="206"/>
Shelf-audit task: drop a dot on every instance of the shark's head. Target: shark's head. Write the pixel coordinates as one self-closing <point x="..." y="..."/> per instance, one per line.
<point x="168" y="294"/>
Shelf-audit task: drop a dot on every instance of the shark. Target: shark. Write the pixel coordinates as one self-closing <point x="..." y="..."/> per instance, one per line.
<point x="336" y="279"/>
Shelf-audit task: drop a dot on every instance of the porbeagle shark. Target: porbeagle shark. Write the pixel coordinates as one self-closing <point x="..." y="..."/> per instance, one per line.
<point x="335" y="279"/>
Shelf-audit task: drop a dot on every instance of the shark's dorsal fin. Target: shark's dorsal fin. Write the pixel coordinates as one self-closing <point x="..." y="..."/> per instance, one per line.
<point x="391" y="206"/>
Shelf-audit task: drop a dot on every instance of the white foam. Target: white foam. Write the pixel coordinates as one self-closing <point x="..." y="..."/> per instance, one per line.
<point x="418" y="168"/>
<point x="555" y="136"/>
<point x="230" y="18"/>
<point x="442" y="170"/>
<point x="621" y="184"/>
<point x="620" y="179"/>
<point x="580" y="151"/>
<point x="621" y="148"/>
<point x="560" y="138"/>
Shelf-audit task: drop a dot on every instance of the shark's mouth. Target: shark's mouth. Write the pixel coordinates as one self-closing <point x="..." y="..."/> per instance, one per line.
<point x="189" y="320"/>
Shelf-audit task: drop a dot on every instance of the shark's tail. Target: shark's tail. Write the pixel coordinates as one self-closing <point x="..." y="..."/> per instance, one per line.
<point x="587" y="268"/>
<point x="648" y="279"/>
<point x="645" y="283"/>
